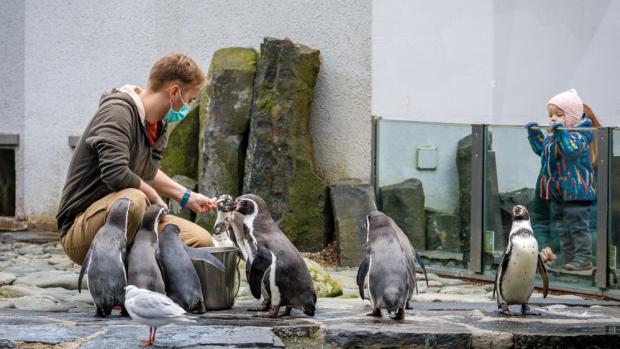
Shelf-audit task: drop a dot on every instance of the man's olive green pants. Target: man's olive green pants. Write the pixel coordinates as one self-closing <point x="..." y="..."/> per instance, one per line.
<point x="77" y="240"/>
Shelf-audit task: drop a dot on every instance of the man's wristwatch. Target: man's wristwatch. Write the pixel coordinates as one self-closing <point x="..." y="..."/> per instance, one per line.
<point x="185" y="198"/>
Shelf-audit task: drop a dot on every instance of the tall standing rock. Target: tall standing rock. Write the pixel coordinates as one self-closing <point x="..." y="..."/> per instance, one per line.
<point x="352" y="200"/>
<point x="181" y="156"/>
<point x="493" y="216"/>
<point x="404" y="202"/>
<point x="279" y="166"/>
<point x="224" y="123"/>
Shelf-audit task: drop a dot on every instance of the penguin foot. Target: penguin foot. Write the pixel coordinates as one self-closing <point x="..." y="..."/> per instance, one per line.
<point x="525" y="310"/>
<point x="409" y="306"/>
<point x="272" y="314"/>
<point x="504" y="310"/>
<point x="375" y="313"/>
<point x="399" y="315"/>
<point x="287" y="312"/>
<point x="266" y="306"/>
<point x="99" y="312"/>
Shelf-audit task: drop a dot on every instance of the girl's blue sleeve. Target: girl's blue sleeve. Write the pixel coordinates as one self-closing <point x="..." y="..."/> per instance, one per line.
<point x="571" y="143"/>
<point x="536" y="138"/>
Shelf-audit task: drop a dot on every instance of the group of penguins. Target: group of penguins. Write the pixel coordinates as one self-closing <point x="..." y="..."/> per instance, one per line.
<point x="160" y="265"/>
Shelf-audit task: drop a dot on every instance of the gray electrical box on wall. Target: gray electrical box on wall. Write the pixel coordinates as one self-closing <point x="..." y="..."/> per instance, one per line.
<point x="426" y="157"/>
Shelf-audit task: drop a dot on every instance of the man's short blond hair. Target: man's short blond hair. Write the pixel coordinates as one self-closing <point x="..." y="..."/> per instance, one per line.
<point x="175" y="67"/>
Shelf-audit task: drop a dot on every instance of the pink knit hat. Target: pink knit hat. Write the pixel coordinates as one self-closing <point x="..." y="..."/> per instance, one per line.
<point x="571" y="104"/>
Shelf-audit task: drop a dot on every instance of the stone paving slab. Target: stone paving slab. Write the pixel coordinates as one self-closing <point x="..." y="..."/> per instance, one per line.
<point x="339" y="323"/>
<point x="36" y="313"/>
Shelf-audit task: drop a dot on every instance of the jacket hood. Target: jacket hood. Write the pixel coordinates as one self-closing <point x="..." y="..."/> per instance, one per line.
<point x="127" y="95"/>
<point x="585" y="122"/>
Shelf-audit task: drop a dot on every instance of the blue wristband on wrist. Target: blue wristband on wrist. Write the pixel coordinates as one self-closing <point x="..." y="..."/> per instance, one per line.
<point x="185" y="198"/>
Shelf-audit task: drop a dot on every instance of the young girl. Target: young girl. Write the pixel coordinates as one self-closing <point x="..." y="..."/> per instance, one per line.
<point x="567" y="177"/>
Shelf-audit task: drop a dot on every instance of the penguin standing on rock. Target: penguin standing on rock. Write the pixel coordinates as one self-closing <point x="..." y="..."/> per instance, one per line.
<point x="516" y="274"/>
<point x="105" y="261"/>
<point x="276" y="271"/>
<point x="143" y="269"/>
<point x="388" y="267"/>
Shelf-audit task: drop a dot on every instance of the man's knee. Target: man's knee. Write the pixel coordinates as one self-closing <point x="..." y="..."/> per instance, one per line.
<point x="190" y="233"/>
<point x="202" y="239"/>
<point x="139" y="202"/>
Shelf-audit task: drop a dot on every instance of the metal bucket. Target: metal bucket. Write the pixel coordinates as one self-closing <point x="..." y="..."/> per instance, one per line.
<point x="219" y="289"/>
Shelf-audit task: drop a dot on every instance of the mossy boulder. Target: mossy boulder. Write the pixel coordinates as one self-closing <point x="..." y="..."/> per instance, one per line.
<point x="404" y="202"/>
<point x="351" y="201"/>
<point x="279" y="163"/>
<point x="324" y="284"/>
<point x="224" y="122"/>
<point x="181" y="156"/>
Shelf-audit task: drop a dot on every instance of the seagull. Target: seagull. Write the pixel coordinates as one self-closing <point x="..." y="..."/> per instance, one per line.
<point x="152" y="309"/>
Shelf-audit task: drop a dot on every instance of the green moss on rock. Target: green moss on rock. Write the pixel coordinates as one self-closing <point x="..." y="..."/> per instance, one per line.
<point x="224" y="121"/>
<point x="324" y="284"/>
<point x="279" y="164"/>
<point x="181" y="156"/>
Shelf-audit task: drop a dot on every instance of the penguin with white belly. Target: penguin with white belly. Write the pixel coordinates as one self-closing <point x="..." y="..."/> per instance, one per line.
<point x="516" y="274"/>
<point x="222" y="236"/>
<point x="276" y="271"/>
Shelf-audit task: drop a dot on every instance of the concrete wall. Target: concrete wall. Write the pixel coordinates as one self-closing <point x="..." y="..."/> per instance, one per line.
<point x="75" y="50"/>
<point x="493" y="62"/>
<point x="12" y="98"/>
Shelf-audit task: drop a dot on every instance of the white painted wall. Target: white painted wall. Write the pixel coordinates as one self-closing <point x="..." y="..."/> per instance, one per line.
<point x="12" y="75"/>
<point x="75" y="50"/>
<point x="494" y="62"/>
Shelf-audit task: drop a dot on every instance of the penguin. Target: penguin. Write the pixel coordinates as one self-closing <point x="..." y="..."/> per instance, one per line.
<point x="182" y="282"/>
<point x="516" y="273"/>
<point x="222" y="236"/>
<point x="389" y="267"/>
<point x="105" y="261"/>
<point x="276" y="271"/>
<point x="362" y="272"/>
<point x="143" y="268"/>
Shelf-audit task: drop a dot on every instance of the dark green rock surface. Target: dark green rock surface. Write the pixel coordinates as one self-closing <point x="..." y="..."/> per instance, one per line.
<point x="404" y="202"/>
<point x="279" y="164"/>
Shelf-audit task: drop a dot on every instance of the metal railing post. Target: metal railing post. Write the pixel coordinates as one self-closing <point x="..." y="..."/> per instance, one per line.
<point x="477" y="206"/>
<point x="604" y="139"/>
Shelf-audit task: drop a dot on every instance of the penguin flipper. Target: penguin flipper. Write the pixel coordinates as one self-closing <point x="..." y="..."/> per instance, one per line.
<point x="543" y="274"/>
<point x="421" y="263"/>
<point x="361" y="274"/>
<point x="204" y="255"/>
<point x="162" y="269"/>
<point x="259" y="266"/>
<point x="499" y="275"/>
<point x="83" y="270"/>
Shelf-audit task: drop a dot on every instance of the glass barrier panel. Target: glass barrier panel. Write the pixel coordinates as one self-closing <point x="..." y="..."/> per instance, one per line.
<point x="613" y="254"/>
<point x="423" y="176"/>
<point x="556" y="182"/>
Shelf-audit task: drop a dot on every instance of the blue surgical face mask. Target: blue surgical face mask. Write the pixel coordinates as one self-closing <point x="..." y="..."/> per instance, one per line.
<point x="174" y="115"/>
